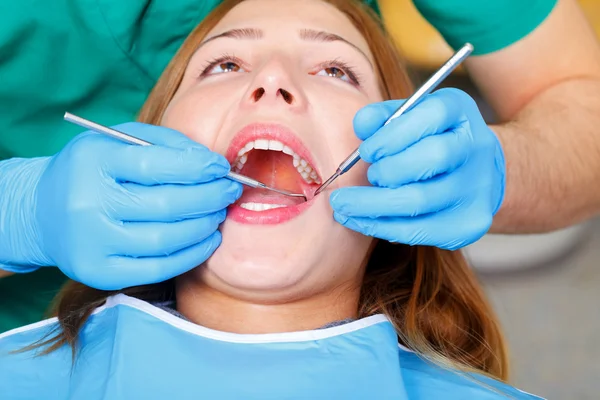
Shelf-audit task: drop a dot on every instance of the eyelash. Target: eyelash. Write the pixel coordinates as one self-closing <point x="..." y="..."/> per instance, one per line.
<point x="350" y="71"/>
<point x="344" y="66"/>
<point x="205" y="69"/>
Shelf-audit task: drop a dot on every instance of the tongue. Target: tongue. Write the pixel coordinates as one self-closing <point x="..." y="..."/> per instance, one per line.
<point x="275" y="169"/>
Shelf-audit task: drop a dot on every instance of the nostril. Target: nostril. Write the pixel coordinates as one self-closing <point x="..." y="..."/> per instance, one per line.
<point x="258" y="93"/>
<point x="287" y="96"/>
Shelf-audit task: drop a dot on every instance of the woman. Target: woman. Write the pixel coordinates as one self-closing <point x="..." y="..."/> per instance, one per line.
<point x="292" y="304"/>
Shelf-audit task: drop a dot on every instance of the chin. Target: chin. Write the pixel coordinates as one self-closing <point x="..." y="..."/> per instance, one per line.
<point x="270" y="257"/>
<point x="253" y="276"/>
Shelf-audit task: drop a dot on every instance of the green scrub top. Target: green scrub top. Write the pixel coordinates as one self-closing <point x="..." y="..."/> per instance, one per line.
<point x="101" y="58"/>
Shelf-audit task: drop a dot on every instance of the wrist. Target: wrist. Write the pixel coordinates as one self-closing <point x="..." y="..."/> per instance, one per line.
<point x="500" y="164"/>
<point x="501" y="168"/>
<point x="20" y="242"/>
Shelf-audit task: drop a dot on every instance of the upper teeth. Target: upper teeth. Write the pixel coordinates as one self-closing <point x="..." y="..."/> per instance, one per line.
<point x="260" y="206"/>
<point x="304" y="168"/>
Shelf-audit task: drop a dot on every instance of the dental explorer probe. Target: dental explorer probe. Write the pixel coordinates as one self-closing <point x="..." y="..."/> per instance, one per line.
<point x="136" y="141"/>
<point x="423" y="91"/>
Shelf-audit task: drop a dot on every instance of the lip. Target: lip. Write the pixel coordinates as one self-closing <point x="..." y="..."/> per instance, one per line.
<point x="271" y="131"/>
<point x="267" y="217"/>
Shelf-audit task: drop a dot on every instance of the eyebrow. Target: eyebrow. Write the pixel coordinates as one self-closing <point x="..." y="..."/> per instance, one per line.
<point x="310" y="35"/>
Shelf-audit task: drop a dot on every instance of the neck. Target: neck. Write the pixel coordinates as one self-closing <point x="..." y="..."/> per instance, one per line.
<point x="216" y="309"/>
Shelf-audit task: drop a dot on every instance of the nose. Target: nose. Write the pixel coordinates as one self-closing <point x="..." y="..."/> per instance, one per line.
<point x="289" y="98"/>
<point x="276" y="84"/>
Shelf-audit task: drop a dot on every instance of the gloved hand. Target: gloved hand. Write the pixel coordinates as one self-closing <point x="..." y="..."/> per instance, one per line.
<point x="113" y="215"/>
<point x="438" y="173"/>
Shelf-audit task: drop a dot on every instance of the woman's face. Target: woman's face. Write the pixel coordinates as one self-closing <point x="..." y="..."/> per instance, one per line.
<point x="275" y="87"/>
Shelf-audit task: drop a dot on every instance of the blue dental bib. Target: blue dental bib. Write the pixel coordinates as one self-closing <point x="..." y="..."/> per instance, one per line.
<point x="131" y="349"/>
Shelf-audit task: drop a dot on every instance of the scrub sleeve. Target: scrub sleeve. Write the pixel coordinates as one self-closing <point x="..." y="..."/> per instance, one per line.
<point x="101" y="58"/>
<point x="95" y="58"/>
<point x="488" y="25"/>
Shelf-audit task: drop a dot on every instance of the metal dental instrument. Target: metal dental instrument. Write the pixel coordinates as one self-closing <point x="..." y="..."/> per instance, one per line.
<point x="136" y="141"/>
<point x="423" y="91"/>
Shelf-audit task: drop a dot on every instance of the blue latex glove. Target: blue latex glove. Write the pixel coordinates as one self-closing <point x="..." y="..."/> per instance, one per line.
<point x="438" y="173"/>
<point x="113" y="215"/>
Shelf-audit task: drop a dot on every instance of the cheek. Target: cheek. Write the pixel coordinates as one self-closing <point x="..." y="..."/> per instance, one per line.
<point x="198" y="114"/>
<point x="341" y="140"/>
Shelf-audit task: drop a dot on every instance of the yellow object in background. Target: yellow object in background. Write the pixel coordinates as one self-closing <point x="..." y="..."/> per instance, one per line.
<point x="423" y="46"/>
<point x="416" y="38"/>
<point x="592" y="10"/>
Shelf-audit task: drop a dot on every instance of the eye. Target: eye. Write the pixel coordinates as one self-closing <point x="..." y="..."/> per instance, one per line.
<point x="227" y="66"/>
<point x="222" y="65"/>
<point x="334" y="72"/>
<point x="340" y="70"/>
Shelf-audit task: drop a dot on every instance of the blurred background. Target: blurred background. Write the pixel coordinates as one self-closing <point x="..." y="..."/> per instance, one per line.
<point x="545" y="288"/>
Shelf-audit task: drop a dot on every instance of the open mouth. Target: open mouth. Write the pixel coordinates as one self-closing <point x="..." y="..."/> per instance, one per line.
<point x="275" y="156"/>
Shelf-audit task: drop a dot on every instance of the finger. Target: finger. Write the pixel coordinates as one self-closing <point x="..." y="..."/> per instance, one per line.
<point x="406" y="201"/>
<point x="448" y="230"/>
<point x="432" y="156"/>
<point x="437" y="113"/>
<point x="179" y="158"/>
<point x="372" y="117"/>
<point x="169" y="203"/>
<point x="145" y="271"/>
<point x="156" y="239"/>
<point x="158" y="135"/>
<point x="152" y="165"/>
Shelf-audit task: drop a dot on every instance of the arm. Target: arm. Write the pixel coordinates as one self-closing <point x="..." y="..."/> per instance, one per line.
<point x="546" y="91"/>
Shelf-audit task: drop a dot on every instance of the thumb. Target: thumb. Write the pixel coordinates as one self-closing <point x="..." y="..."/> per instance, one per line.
<point x="158" y="135"/>
<point x="372" y="117"/>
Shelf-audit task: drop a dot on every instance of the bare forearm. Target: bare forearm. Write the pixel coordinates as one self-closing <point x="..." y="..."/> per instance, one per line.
<point x="552" y="151"/>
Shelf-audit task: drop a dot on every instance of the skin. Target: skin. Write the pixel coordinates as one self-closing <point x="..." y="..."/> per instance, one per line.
<point x="274" y="278"/>
<point x="546" y="90"/>
<point x="4" y="274"/>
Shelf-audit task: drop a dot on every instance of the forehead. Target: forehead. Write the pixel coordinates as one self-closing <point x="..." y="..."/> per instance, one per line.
<point x="283" y="19"/>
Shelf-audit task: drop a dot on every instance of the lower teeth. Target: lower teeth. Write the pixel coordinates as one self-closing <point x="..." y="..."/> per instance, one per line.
<point x="260" y="206"/>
